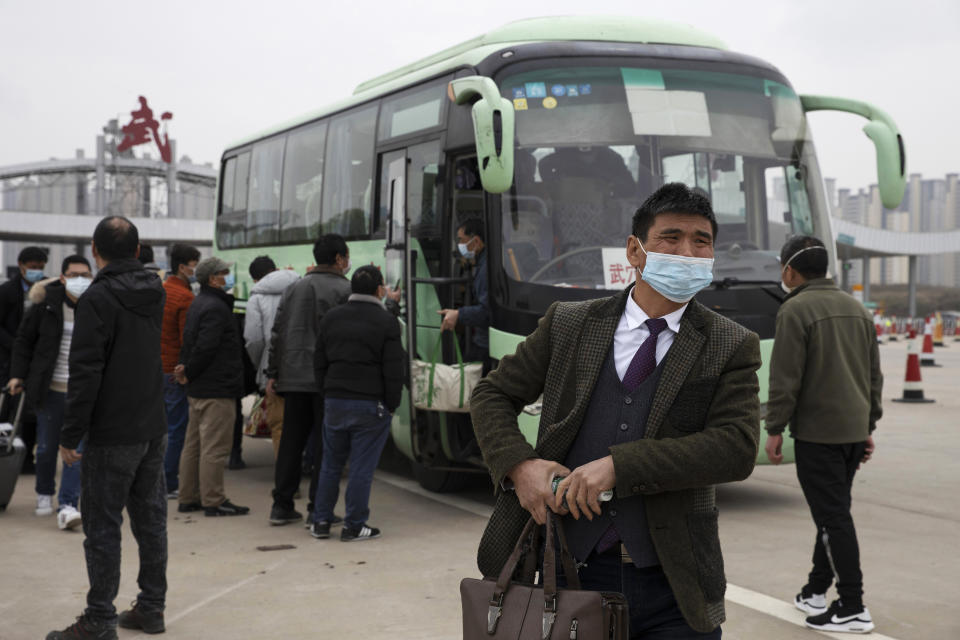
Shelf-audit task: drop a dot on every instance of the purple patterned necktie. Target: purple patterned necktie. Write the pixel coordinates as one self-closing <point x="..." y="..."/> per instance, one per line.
<point x="645" y="360"/>
<point x="642" y="365"/>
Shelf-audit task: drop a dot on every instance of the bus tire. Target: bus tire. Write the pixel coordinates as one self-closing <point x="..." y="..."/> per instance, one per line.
<point x="438" y="480"/>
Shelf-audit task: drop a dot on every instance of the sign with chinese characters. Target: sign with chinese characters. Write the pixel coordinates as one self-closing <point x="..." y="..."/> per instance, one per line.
<point x="617" y="272"/>
<point x="143" y="128"/>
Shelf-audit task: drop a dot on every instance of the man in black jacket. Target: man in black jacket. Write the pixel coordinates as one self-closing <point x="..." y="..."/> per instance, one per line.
<point x="13" y="304"/>
<point x="40" y="365"/>
<point x="290" y="369"/>
<point x="359" y="369"/>
<point x="115" y="403"/>
<point x="211" y="368"/>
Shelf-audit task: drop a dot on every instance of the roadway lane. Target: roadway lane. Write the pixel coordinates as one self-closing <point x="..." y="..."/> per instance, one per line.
<point x="405" y="585"/>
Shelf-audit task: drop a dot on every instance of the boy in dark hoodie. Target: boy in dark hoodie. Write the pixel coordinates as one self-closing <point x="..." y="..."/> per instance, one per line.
<point x="115" y="404"/>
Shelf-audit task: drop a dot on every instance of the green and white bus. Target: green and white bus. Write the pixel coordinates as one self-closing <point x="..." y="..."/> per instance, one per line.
<point x="552" y="131"/>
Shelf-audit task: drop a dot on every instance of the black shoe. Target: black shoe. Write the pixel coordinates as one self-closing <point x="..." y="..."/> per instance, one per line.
<point x="320" y="529"/>
<point x="187" y="507"/>
<point x="840" y="617"/>
<point x="236" y="462"/>
<point x="280" y="516"/>
<point x="226" y="508"/>
<point x="85" y="629"/>
<point x="335" y="522"/>
<point x="136" y="618"/>
<point x="363" y="532"/>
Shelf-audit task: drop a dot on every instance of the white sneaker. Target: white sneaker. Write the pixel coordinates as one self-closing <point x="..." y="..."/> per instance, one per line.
<point x="843" y="619"/>
<point x="44" y="505"/>
<point x="814" y="604"/>
<point x="68" y="518"/>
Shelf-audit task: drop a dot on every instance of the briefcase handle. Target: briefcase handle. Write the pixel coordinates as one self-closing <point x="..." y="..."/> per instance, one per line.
<point x="525" y="546"/>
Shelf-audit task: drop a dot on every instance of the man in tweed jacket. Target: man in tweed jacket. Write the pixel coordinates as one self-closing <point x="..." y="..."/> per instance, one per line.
<point x="700" y="429"/>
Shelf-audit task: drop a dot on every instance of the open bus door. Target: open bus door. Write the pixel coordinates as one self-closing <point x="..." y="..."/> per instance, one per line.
<point x="422" y="436"/>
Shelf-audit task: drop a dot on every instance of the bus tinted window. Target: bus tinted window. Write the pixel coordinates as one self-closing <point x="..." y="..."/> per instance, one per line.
<point x="263" y="211"/>
<point x="412" y="112"/>
<point x="302" y="184"/>
<point x="232" y="221"/>
<point x="347" y="196"/>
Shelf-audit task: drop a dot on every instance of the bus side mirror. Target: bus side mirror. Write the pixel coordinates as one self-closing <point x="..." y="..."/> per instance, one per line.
<point x="882" y="130"/>
<point x="493" y="127"/>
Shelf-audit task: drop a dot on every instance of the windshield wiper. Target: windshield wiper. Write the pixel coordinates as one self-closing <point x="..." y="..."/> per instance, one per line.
<point x="728" y="282"/>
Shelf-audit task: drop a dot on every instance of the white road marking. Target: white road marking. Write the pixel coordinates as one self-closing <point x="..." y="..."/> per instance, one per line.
<point x="218" y="595"/>
<point x="450" y="500"/>
<point x="783" y="610"/>
<point x="738" y="595"/>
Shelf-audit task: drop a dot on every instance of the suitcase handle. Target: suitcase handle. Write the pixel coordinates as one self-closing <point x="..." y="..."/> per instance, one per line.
<point x="19" y="413"/>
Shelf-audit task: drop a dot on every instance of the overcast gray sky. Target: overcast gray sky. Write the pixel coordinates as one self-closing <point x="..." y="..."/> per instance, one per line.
<point x="227" y="69"/>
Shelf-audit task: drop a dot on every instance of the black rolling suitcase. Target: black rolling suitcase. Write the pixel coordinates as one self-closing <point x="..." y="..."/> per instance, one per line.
<point x="12" y="449"/>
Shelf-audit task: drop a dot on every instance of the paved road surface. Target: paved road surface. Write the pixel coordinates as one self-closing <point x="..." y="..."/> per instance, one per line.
<point x="405" y="585"/>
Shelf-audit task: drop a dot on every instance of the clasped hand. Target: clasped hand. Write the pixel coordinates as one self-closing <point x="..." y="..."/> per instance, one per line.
<point x="582" y="486"/>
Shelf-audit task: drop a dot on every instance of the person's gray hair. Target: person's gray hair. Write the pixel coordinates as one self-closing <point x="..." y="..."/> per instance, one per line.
<point x="208" y="267"/>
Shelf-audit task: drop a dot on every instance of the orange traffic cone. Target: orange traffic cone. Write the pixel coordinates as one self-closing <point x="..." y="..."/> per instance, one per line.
<point x="956" y="332"/>
<point x="912" y="384"/>
<point x="891" y="330"/>
<point x="926" y="359"/>
<point x="938" y="330"/>
<point x="879" y="328"/>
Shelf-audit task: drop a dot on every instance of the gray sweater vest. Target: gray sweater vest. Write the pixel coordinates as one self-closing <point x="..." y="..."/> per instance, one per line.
<point x="614" y="416"/>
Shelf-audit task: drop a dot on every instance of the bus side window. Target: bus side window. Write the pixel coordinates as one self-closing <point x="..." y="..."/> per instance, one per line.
<point x="302" y="184"/>
<point x="348" y="174"/>
<point x="232" y="217"/>
<point x="263" y="212"/>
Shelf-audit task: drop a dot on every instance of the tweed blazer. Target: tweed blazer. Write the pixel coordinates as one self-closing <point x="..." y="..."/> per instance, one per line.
<point x="702" y="430"/>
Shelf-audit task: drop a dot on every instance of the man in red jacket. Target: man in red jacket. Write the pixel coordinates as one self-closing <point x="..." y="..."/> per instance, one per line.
<point x="183" y="261"/>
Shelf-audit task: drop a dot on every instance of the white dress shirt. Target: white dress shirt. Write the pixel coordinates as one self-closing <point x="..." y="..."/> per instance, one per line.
<point x="631" y="332"/>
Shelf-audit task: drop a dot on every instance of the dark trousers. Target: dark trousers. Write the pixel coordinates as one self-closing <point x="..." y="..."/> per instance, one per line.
<point x="654" y="613"/>
<point x="178" y="415"/>
<point x="236" y="449"/>
<point x="115" y="477"/>
<point x="302" y="415"/>
<point x="825" y="472"/>
<point x="354" y="430"/>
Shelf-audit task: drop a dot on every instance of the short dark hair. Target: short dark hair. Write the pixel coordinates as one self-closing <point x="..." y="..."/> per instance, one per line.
<point x="74" y="259"/>
<point x="673" y="197"/>
<point x="182" y="254"/>
<point x="472" y="227"/>
<point x="32" y="254"/>
<point x="146" y="253"/>
<point x="116" y="238"/>
<point x="261" y="266"/>
<point x="366" y="279"/>
<point x="328" y="247"/>
<point x="809" y="264"/>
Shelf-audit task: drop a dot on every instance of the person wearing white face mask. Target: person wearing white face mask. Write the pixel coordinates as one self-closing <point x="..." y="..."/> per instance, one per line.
<point x="40" y="365"/>
<point x="471" y="246"/>
<point x="647" y="393"/>
<point x="825" y="382"/>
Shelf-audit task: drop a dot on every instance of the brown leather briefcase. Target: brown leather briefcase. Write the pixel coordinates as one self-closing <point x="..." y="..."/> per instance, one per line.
<point x="504" y="609"/>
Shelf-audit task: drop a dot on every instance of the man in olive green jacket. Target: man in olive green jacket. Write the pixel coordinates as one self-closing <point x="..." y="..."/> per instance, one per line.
<point x="825" y="382"/>
<point x="700" y="428"/>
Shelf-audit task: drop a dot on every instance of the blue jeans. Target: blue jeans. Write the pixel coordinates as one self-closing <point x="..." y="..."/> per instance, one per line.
<point x="178" y="413"/>
<point x="654" y="613"/>
<point x="49" y="423"/>
<point x="356" y="430"/>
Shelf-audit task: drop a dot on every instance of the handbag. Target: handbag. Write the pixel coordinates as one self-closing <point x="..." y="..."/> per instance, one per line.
<point x="442" y="387"/>
<point x="256" y="425"/>
<point x="507" y="609"/>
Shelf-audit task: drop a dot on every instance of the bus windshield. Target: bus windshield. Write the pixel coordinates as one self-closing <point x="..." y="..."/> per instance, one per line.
<point x="593" y="142"/>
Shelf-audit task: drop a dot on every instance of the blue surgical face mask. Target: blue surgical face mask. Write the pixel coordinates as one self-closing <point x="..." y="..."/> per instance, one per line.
<point x="33" y="275"/>
<point x="464" y="251"/>
<point x="676" y="278"/>
<point x="228" y="281"/>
